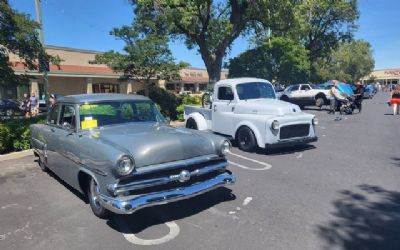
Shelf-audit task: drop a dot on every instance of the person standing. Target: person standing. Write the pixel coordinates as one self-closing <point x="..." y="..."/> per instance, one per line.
<point x="359" y="94"/>
<point x="25" y="105"/>
<point x="52" y="100"/>
<point x="395" y="100"/>
<point x="34" y="105"/>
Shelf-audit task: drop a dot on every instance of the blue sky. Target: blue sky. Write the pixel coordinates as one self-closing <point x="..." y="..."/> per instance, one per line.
<point x="86" y="25"/>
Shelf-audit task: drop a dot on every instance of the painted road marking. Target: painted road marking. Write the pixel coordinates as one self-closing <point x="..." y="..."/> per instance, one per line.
<point x="173" y="232"/>
<point x="247" y="201"/>
<point x="266" y="165"/>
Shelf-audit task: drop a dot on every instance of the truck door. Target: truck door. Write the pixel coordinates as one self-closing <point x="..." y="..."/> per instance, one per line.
<point x="223" y="110"/>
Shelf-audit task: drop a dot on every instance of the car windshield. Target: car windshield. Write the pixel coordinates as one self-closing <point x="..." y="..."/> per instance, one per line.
<point x="315" y="86"/>
<point x="255" y="90"/>
<point x="100" y="114"/>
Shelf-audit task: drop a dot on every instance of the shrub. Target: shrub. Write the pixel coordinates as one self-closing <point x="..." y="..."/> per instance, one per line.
<point x="165" y="99"/>
<point x="187" y="100"/>
<point x="15" y="134"/>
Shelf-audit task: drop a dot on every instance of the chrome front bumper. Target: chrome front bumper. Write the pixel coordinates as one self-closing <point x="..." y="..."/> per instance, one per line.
<point x="129" y="204"/>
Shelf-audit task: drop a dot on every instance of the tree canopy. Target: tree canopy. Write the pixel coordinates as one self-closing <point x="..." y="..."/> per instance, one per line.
<point x="146" y="57"/>
<point x="281" y="59"/>
<point x="18" y="35"/>
<point x="210" y="26"/>
<point x="349" y="62"/>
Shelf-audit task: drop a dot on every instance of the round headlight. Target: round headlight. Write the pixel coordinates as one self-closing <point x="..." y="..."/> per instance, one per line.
<point x="125" y="165"/>
<point x="225" y="147"/>
<point x="315" y="121"/>
<point x="275" y="125"/>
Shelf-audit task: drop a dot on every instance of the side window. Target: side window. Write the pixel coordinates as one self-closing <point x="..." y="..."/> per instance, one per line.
<point x="305" y="87"/>
<point x="67" y="116"/>
<point x="294" y="88"/>
<point x="53" y="116"/>
<point x="225" y="93"/>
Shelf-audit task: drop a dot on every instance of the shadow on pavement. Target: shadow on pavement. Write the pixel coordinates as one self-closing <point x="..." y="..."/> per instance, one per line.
<point x="147" y="217"/>
<point x="315" y="108"/>
<point x="367" y="219"/>
<point x="286" y="150"/>
<point x="396" y="162"/>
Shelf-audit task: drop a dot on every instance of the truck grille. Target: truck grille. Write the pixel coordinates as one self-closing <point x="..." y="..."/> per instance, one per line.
<point x="293" y="131"/>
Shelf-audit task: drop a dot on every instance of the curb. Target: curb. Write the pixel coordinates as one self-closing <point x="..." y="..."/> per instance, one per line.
<point x="16" y="155"/>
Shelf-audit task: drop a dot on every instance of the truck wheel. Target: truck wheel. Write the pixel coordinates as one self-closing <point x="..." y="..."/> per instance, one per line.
<point x="246" y="139"/>
<point x="93" y="194"/>
<point x="191" y="123"/>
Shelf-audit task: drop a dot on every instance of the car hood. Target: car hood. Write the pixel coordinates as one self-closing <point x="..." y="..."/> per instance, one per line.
<point x="267" y="107"/>
<point x="151" y="143"/>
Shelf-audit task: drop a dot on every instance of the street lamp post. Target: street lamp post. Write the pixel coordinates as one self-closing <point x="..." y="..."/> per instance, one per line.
<point x="41" y="62"/>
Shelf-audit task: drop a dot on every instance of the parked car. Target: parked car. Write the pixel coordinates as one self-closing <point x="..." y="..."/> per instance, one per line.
<point x="246" y="110"/>
<point x="119" y="151"/>
<point x="306" y="95"/>
<point x="9" y="107"/>
<point x="369" y="92"/>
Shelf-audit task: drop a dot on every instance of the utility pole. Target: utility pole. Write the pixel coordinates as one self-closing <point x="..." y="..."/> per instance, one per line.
<point x="41" y="63"/>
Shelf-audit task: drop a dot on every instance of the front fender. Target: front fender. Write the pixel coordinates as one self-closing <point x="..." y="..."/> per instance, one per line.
<point x="256" y="130"/>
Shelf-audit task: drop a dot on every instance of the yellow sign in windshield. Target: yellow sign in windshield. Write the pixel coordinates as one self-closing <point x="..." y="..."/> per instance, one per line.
<point x="86" y="124"/>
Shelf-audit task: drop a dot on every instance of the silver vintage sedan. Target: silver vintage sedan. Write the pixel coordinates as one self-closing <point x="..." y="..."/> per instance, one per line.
<point x="120" y="151"/>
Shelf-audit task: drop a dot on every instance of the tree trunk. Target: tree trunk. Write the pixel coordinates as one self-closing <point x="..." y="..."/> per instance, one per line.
<point x="214" y="65"/>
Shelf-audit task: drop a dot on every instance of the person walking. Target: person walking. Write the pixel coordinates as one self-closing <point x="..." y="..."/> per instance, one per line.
<point x="52" y="100"/>
<point x="395" y="100"/>
<point x="34" y="105"/>
<point x="358" y="95"/>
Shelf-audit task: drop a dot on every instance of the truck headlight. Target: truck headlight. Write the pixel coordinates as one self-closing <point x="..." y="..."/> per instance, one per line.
<point x="125" y="165"/>
<point x="225" y="147"/>
<point x="315" y="121"/>
<point x="275" y="125"/>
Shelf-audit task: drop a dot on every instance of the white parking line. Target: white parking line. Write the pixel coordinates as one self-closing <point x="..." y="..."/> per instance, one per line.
<point x="266" y="165"/>
<point x="173" y="232"/>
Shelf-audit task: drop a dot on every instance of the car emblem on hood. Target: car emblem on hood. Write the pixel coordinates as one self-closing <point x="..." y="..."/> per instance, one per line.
<point x="184" y="176"/>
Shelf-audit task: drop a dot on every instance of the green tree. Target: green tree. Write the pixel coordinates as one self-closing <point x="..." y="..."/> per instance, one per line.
<point x="146" y="57"/>
<point x="322" y="24"/>
<point x="349" y="62"/>
<point x="281" y="59"/>
<point x="209" y="26"/>
<point x="18" y="35"/>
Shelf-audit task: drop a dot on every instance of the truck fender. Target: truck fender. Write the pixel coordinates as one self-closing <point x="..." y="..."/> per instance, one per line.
<point x="257" y="134"/>
<point x="199" y="119"/>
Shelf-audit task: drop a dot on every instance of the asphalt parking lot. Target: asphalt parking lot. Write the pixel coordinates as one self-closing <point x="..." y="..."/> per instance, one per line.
<point x="342" y="192"/>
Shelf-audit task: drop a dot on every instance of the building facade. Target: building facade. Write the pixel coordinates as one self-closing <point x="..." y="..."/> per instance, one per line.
<point x="75" y="75"/>
<point x="384" y="76"/>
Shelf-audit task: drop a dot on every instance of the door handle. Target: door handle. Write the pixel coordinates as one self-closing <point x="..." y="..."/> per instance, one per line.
<point x="215" y="108"/>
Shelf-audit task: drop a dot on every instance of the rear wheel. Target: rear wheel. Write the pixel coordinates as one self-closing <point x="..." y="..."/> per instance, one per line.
<point x="93" y="193"/>
<point x="285" y="98"/>
<point x="246" y="139"/>
<point x="319" y="102"/>
<point x="42" y="165"/>
<point x="191" y="123"/>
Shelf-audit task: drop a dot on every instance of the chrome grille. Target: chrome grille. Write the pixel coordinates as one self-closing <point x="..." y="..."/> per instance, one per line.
<point x="293" y="131"/>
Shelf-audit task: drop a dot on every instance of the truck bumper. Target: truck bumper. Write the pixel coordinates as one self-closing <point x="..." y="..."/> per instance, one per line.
<point x="291" y="142"/>
<point x="129" y="204"/>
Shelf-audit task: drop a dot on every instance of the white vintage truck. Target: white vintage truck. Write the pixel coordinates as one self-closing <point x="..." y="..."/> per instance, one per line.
<point x="246" y="110"/>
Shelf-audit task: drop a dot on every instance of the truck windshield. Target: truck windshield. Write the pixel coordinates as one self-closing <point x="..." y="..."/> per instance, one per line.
<point x="255" y="90"/>
<point x="99" y="114"/>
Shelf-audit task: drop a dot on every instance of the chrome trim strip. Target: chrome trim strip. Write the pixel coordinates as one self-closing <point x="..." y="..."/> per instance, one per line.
<point x="116" y="189"/>
<point x="176" y="164"/>
<point x="130" y="204"/>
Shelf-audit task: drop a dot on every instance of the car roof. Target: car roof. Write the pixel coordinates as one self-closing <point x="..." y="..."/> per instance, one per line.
<point x="83" y="98"/>
<point x="235" y="81"/>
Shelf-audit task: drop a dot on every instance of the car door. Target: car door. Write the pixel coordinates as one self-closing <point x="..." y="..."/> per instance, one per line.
<point x="223" y="107"/>
<point x="50" y="138"/>
<point x="68" y="162"/>
<point x="305" y="94"/>
<point x="293" y="92"/>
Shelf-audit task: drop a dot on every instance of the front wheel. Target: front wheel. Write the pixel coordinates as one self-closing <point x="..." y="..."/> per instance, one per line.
<point x="246" y="139"/>
<point x="319" y="102"/>
<point x="93" y="193"/>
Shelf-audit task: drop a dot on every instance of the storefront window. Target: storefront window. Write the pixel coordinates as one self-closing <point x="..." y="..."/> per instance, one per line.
<point x="105" y="88"/>
<point x="170" y="86"/>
